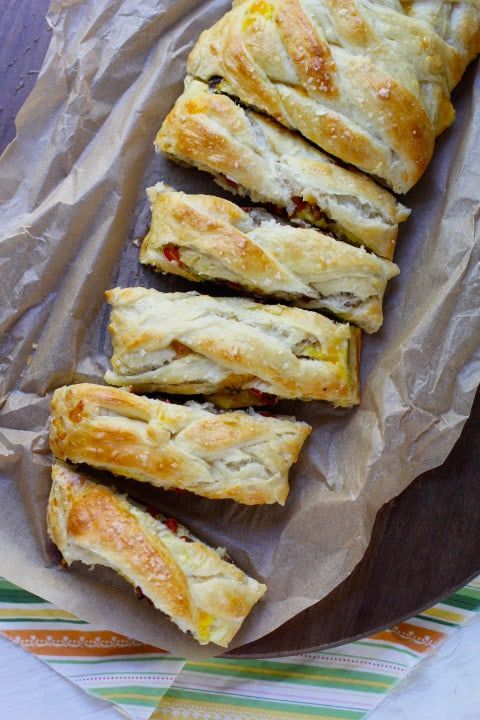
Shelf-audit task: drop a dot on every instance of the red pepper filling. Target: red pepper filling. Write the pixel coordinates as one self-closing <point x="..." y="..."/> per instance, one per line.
<point x="153" y="511"/>
<point x="172" y="525"/>
<point x="265" y="398"/>
<point x="172" y="253"/>
<point x="230" y="183"/>
<point x="186" y="538"/>
<point x="315" y="213"/>
<point x="300" y="203"/>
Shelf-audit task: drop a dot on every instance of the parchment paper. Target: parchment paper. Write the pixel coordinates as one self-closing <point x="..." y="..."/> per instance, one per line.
<point x="73" y="200"/>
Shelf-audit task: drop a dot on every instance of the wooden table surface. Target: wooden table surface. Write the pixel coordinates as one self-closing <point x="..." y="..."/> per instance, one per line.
<point x="425" y="543"/>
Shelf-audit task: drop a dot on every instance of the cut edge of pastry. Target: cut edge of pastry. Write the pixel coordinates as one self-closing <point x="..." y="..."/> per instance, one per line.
<point x="228" y="55"/>
<point x="176" y="243"/>
<point x="303" y="203"/>
<point x="232" y="400"/>
<point x="190" y="582"/>
<point x="334" y="379"/>
<point x="176" y="446"/>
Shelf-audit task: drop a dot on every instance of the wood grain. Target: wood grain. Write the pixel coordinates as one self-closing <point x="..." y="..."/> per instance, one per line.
<point x="425" y="543"/>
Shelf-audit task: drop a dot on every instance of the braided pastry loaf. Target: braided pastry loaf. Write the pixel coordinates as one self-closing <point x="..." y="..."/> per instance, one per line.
<point x="189" y="581"/>
<point x="366" y="81"/>
<point x="250" y="154"/>
<point x="202" y="237"/>
<point x="236" y="351"/>
<point x="241" y="456"/>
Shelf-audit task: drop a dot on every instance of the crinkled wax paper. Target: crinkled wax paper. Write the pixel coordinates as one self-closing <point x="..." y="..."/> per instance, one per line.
<point x="73" y="200"/>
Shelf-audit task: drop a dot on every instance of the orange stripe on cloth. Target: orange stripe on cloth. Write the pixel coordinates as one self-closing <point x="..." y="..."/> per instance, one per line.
<point x="411" y="636"/>
<point x="78" y="643"/>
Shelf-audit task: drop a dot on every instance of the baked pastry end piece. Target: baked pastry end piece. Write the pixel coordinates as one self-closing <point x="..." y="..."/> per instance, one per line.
<point x="366" y="101"/>
<point x="184" y="578"/>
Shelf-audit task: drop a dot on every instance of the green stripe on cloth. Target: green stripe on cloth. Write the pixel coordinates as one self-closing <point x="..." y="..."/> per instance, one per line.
<point x="122" y="699"/>
<point x="464" y="603"/>
<point x="130" y="695"/>
<point x="302" y="675"/>
<point x="465" y="599"/>
<point x="288" y="668"/>
<point x="12" y="594"/>
<point x="471" y="590"/>
<point x="437" y="621"/>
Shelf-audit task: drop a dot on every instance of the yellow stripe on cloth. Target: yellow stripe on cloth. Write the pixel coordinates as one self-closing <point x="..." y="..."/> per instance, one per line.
<point x="448" y="615"/>
<point x="36" y="613"/>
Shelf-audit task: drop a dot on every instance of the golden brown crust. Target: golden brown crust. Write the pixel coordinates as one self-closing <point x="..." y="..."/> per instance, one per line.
<point x="238" y="456"/>
<point x="184" y="578"/>
<point x="232" y="345"/>
<point x="252" y="155"/>
<point x="367" y="83"/>
<point x="203" y="237"/>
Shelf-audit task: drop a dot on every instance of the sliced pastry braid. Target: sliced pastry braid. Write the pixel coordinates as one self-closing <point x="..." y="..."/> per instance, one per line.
<point x="365" y="81"/>
<point x="199" y="590"/>
<point x="254" y="156"/>
<point x="233" y="350"/>
<point x="202" y="237"/>
<point x="237" y="455"/>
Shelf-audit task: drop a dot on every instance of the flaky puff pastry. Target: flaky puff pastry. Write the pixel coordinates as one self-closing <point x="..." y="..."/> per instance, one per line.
<point x="456" y="21"/>
<point x="237" y="455"/>
<point x="362" y="80"/>
<point x="236" y="351"/>
<point x="249" y="154"/>
<point x="183" y="577"/>
<point x="202" y="237"/>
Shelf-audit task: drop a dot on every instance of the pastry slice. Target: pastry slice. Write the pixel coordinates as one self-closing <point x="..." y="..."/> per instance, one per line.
<point x="190" y="582"/>
<point x="363" y="81"/>
<point x="251" y="155"/>
<point x="202" y="237"/>
<point x="237" y="455"/>
<point x="236" y="351"/>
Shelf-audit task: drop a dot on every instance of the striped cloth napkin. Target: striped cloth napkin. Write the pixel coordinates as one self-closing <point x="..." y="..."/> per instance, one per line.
<point x="144" y="682"/>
